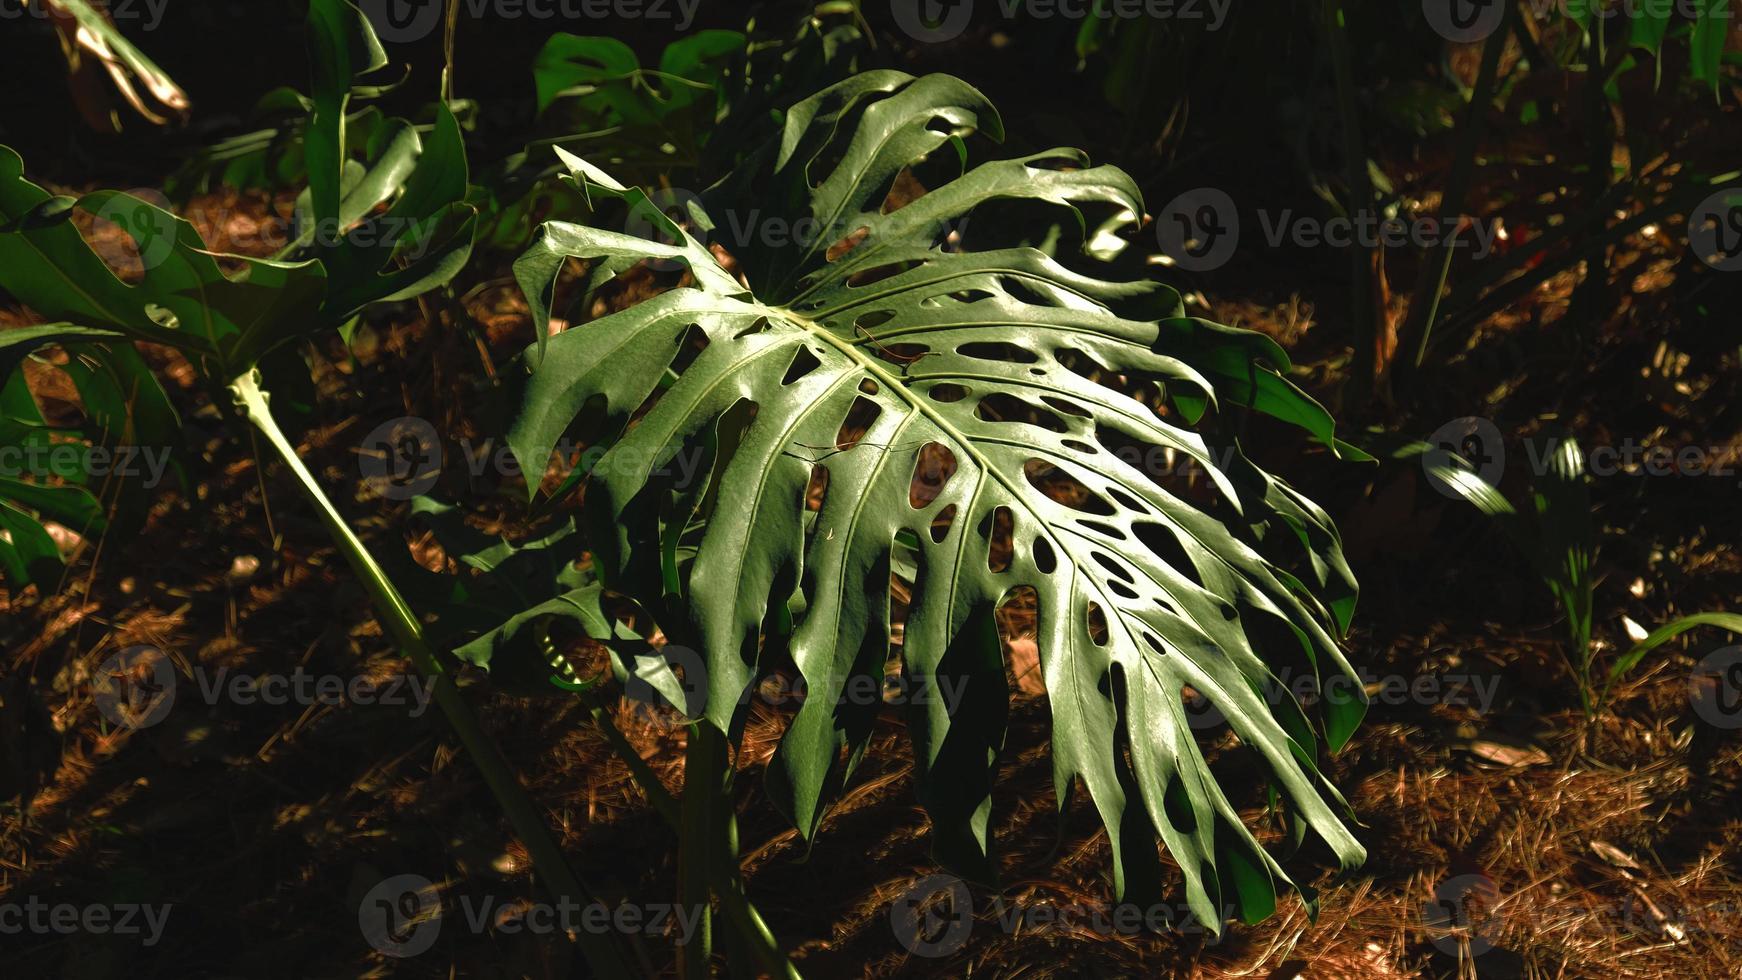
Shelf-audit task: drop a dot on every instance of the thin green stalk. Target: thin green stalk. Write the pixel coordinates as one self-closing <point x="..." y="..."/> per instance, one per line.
<point x="724" y="875"/>
<point x="601" y="954"/>
<point x="706" y="775"/>
<point x="1436" y="265"/>
<point x="1363" y="318"/>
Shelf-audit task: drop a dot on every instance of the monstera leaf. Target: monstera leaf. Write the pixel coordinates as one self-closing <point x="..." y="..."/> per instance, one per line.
<point x="954" y="326"/>
<point x="49" y="472"/>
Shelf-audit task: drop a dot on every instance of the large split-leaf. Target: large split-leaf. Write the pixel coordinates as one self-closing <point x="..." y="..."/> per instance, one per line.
<point x="866" y="333"/>
<point x="183" y="298"/>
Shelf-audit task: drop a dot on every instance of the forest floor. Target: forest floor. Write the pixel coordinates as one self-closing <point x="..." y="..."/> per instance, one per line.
<point x="1608" y="848"/>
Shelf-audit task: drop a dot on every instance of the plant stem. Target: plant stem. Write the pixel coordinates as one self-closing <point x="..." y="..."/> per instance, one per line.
<point x="602" y="955"/>
<point x="1363" y="318"/>
<point x="1436" y="265"/>
<point x="706" y="776"/>
<point x="723" y="873"/>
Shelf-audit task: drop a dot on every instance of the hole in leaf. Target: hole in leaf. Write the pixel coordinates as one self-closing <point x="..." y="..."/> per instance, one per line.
<point x="932" y="469"/>
<point x="940" y="525"/>
<point x="1024" y="291"/>
<point x="1121" y="590"/>
<point x="1100" y="528"/>
<point x="1127" y="501"/>
<point x="1044" y="558"/>
<point x="997" y="350"/>
<point x="903" y="190"/>
<point x="900" y="354"/>
<point x="1000" y="407"/>
<point x="859" y="419"/>
<point x="1001" y="545"/>
<point x="1067" y="407"/>
<point x="1064" y="488"/>
<point x="1081" y="447"/>
<point x="879" y="273"/>
<point x="868" y="386"/>
<point x="817" y="490"/>
<point x="760" y="324"/>
<point x="1174" y="471"/>
<point x="695" y="340"/>
<point x="1018" y="622"/>
<point x="1097" y="625"/>
<point x="1112" y="566"/>
<point x="804" y="361"/>
<point x="875" y="318"/>
<point x="1164" y="543"/>
<point x="947" y="393"/>
<point x="847" y="244"/>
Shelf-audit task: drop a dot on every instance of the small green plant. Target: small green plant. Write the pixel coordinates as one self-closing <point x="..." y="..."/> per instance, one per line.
<point x="964" y="324"/>
<point x="1555" y="535"/>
